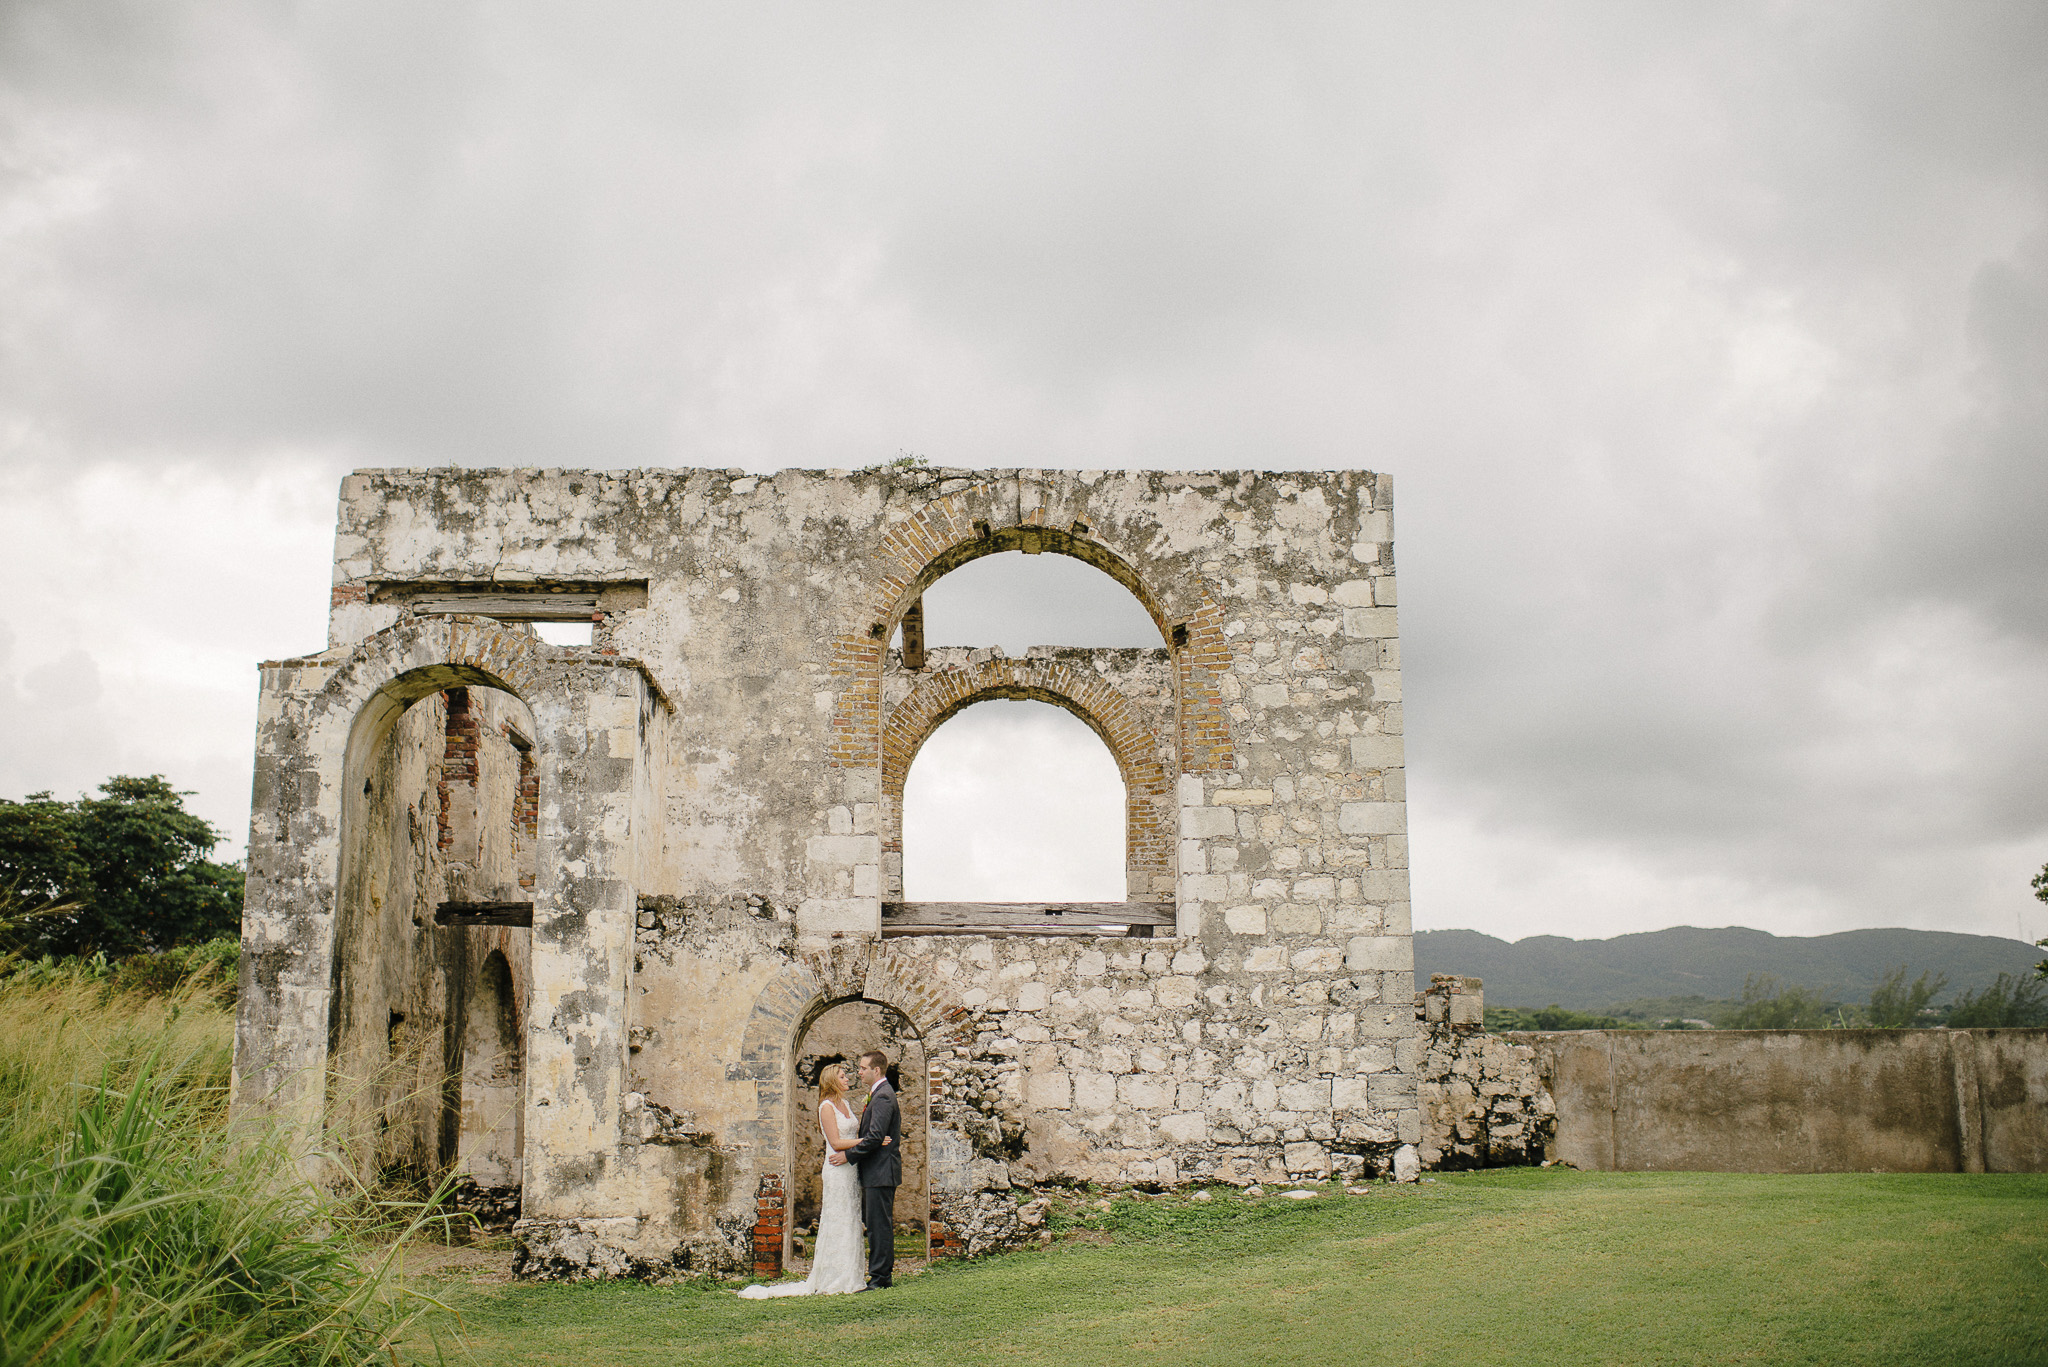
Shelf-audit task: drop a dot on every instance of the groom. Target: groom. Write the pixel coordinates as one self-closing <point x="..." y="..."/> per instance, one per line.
<point x="879" y="1154"/>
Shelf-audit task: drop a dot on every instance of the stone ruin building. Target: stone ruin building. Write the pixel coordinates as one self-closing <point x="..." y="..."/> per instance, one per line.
<point x="583" y="922"/>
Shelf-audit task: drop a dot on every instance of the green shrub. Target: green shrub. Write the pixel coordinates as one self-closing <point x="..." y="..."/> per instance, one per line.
<point x="2009" y="1001"/>
<point x="1553" y="1017"/>
<point x="1769" y="1005"/>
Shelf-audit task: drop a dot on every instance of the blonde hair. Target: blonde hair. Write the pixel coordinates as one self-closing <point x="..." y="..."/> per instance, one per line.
<point x="831" y="1083"/>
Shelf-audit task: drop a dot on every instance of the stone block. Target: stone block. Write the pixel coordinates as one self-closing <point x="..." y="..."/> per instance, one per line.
<point x="1145" y="1092"/>
<point x="1266" y="959"/>
<point x="1372" y="818"/>
<point x="1383" y="886"/>
<point x="1199" y="822"/>
<point x="1313" y="1095"/>
<point x="1187" y="1127"/>
<point x="1374" y="751"/>
<point x="1319" y="889"/>
<point x="1380" y="954"/>
<point x="1296" y="919"/>
<point x="1052" y="1091"/>
<point x="1369" y="623"/>
<point x="843" y="850"/>
<point x="1349" y="1094"/>
<point x="1319" y="959"/>
<point x="1307" y="1159"/>
<point x="1094" y="1091"/>
<point x="1390" y="1092"/>
<point x="1244" y="797"/>
<point x="1245" y="920"/>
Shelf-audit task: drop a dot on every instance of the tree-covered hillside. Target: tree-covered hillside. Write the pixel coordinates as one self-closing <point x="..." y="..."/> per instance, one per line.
<point x="1686" y="961"/>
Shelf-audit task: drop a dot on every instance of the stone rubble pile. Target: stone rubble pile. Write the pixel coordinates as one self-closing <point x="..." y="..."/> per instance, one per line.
<point x="1484" y="1104"/>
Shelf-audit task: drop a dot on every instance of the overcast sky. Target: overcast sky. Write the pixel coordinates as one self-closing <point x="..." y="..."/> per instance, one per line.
<point x="1707" y="346"/>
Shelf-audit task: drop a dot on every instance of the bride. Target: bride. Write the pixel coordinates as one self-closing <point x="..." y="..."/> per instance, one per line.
<point x="838" y="1266"/>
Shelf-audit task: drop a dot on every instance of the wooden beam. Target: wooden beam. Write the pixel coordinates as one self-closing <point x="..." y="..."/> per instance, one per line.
<point x="913" y="635"/>
<point x="1140" y="919"/>
<point x="484" y="914"/>
<point x="516" y="607"/>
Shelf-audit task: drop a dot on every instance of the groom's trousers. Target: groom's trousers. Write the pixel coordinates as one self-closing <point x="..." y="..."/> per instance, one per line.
<point x="878" y="1216"/>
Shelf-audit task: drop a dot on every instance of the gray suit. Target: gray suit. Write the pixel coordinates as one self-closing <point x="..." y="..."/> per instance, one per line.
<point x="881" y="1172"/>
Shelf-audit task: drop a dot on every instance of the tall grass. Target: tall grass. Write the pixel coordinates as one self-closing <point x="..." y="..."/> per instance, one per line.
<point x="134" y="1228"/>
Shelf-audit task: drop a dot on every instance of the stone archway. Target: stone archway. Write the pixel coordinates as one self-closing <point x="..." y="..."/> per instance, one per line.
<point x="785" y="1010"/>
<point x="1143" y="757"/>
<point x="322" y="718"/>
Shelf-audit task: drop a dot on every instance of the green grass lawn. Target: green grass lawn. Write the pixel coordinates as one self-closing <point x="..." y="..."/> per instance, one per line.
<point x="1515" y="1266"/>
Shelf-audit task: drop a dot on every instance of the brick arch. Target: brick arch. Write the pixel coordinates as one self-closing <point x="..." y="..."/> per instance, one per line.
<point x="786" y="1007"/>
<point x="1148" y="783"/>
<point x="957" y="528"/>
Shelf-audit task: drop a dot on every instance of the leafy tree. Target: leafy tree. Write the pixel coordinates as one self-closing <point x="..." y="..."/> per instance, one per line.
<point x="132" y="861"/>
<point x="2041" y="891"/>
<point x="2011" y="1000"/>
<point x="1894" y="1004"/>
<point x="1767" y="1005"/>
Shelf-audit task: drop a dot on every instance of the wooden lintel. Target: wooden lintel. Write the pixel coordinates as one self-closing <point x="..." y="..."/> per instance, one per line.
<point x="1024" y="918"/>
<point x="484" y="914"/>
<point x="516" y="607"/>
<point x="913" y="635"/>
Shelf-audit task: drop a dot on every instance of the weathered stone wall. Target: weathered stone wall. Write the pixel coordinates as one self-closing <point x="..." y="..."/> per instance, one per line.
<point x="1798" y="1100"/>
<point x="1728" y="1100"/>
<point x="712" y="781"/>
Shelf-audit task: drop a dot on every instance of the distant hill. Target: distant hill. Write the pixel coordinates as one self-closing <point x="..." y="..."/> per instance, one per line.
<point x="1594" y="975"/>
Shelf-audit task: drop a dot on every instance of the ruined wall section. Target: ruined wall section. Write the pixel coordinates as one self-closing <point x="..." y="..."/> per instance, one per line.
<point x="1484" y="1102"/>
<point x="1274" y="1034"/>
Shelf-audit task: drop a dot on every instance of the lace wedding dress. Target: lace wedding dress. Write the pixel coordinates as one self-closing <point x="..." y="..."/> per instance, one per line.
<point x="838" y="1267"/>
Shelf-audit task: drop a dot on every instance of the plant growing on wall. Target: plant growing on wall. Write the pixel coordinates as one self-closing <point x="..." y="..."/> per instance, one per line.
<point x="132" y="863"/>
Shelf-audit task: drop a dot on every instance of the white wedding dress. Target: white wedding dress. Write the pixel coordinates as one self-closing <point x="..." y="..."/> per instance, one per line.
<point x="838" y="1266"/>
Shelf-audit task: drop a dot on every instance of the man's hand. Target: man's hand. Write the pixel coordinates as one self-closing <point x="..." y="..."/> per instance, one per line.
<point x="837" y="1160"/>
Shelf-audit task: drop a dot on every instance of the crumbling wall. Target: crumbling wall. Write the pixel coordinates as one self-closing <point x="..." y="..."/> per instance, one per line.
<point x="712" y="782"/>
<point x="1728" y="1100"/>
<point x="1484" y="1102"/>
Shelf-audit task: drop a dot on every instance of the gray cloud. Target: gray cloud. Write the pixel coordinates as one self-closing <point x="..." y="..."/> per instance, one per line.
<point x="1706" y="346"/>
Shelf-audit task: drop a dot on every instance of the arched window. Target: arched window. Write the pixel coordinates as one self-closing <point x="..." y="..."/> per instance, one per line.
<point x="1013" y="801"/>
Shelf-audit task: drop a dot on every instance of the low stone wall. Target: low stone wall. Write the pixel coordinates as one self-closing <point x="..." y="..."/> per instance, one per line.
<point x="1798" y="1100"/>
<point x="1727" y="1100"/>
